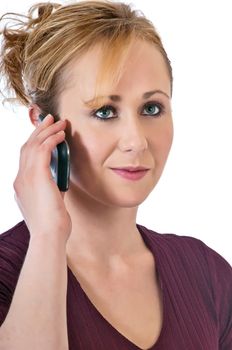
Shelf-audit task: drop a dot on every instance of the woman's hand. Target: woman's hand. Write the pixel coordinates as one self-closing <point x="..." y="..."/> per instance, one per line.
<point x="36" y="193"/>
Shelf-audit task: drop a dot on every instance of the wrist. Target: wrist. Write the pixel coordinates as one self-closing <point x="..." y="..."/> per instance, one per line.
<point x="48" y="240"/>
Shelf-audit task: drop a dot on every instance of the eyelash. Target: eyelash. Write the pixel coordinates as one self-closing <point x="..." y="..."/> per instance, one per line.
<point x="113" y="109"/>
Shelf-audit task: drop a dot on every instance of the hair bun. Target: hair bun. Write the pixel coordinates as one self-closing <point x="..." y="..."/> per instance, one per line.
<point x="44" y="10"/>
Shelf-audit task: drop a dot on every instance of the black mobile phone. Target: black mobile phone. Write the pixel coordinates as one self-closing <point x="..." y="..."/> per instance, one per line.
<point x="60" y="163"/>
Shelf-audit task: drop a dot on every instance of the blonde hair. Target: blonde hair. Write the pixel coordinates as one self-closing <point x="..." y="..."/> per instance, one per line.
<point x="37" y="48"/>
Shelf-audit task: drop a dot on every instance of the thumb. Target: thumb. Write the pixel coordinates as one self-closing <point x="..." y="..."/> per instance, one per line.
<point x="62" y="194"/>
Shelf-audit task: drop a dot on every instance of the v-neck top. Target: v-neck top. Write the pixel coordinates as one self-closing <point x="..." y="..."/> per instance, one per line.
<point x="196" y="285"/>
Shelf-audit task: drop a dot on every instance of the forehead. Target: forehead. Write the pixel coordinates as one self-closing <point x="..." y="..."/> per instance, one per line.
<point x="144" y="65"/>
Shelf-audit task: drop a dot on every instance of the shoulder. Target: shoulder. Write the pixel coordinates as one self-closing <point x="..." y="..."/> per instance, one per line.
<point x="14" y="242"/>
<point x="13" y="247"/>
<point x="189" y="255"/>
<point x="195" y="263"/>
<point x="19" y="230"/>
<point x="187" y="248"/>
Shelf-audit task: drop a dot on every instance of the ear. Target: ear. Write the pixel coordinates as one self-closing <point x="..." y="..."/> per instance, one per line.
<point x="34" y="112"/>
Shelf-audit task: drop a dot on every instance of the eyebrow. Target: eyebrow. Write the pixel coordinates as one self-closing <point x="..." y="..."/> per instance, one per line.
<point x="146" y="95"/>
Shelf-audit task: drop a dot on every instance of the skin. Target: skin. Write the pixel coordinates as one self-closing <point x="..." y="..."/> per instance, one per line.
<point x="102" y="205"/>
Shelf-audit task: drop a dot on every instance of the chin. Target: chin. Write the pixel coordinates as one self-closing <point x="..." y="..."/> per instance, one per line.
<point x="127" y="200"/>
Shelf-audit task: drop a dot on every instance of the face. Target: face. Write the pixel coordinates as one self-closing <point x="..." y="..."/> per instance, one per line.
<point x="132" y="131"/>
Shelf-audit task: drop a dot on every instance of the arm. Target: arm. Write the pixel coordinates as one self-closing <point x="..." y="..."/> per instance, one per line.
<point x="37" y="316"/>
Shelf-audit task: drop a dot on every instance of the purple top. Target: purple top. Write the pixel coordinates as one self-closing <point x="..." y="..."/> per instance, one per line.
<point x="196" y="285"/>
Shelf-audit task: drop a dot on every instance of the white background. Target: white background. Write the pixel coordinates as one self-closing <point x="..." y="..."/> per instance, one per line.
<point x="194" y="194"/>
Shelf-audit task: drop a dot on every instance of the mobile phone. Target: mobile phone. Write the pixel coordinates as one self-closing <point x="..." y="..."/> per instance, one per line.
<point x="60" y="163"/>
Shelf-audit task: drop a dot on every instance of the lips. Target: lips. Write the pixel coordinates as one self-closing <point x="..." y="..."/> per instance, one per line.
<point x="131" y="175"/>
<point x="132" y="169"/>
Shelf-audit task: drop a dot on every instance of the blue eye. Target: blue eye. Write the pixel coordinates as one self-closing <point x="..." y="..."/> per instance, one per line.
<point x="154" y="109"/>
<point x="104" y="112"/>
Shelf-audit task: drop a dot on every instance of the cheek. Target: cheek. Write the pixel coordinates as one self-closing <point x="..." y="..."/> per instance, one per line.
<point x="95" y="145"/>
<point x="162" y="141"/>
<point x="95" y="149"/>
<point x="168" y="135"/>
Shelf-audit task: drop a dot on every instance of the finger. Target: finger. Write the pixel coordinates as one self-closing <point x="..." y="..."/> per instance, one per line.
<point x="62" y="194"/>
<point x="41" y="135"/>
<point x="40" y="152"/>
<point x="48" y="120"/>
<point x="49" y="131"/>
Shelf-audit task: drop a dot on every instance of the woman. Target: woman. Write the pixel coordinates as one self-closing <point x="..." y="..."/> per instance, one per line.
<point x="78" y="272"/>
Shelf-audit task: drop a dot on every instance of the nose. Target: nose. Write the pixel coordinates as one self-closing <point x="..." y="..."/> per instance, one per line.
<point x="133" y="135"/>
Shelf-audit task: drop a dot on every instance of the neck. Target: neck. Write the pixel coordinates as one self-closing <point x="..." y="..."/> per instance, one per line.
<point x="99" y="232"/>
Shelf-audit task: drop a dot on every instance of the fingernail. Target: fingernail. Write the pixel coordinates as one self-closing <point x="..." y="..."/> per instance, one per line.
<point x="48" y="116"/>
